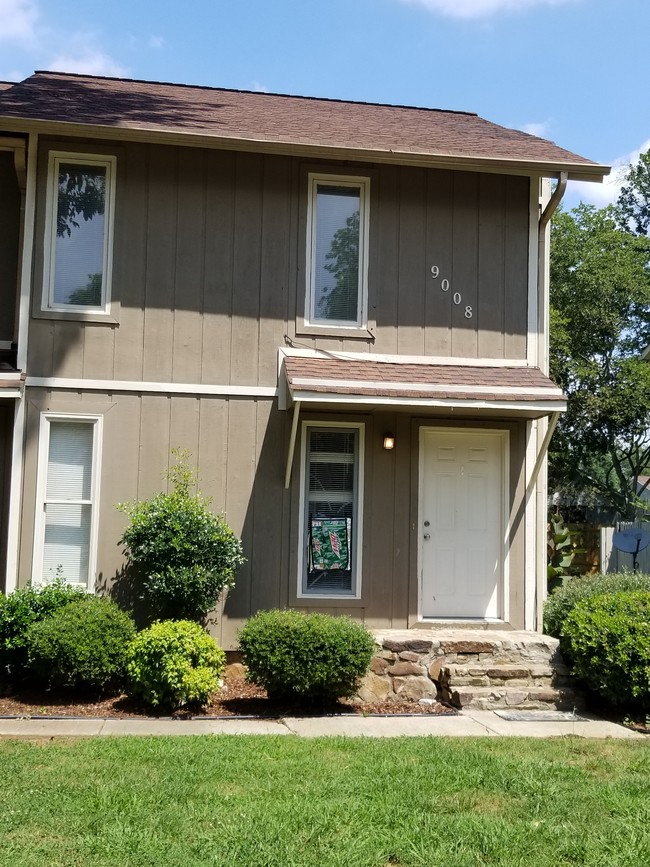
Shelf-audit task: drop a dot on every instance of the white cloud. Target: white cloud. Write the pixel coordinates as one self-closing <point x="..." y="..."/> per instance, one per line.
<point x="156" y="42"/>
<point x="539" y="129"/>
<point x="480" y="8"/>
<point x="18" y="19"/>
<point x="88" y="62"/>
<point x="606" y="193"/>
<point x="12" y="75"/>
<point x="260" y="88"/>
<point x="22" y="28"/>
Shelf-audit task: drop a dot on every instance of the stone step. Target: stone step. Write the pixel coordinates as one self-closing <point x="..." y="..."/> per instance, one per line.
<point x="534" y="698"/>
<point x="488" y="674"/>
<point x="504" y="669"/>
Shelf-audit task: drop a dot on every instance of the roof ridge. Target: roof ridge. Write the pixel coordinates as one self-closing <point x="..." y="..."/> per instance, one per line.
<point x="252" y="92"/>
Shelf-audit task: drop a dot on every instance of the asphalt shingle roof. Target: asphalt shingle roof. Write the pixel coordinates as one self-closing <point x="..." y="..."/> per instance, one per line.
<point x="366" y="378"/>
<point x="392" y="133"/>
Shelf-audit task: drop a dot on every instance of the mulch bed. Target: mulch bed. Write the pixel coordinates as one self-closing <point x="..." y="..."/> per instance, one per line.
<point x="238" y="698"/>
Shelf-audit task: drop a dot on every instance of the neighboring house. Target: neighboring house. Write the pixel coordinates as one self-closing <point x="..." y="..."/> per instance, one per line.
<point x="285" y="286"/>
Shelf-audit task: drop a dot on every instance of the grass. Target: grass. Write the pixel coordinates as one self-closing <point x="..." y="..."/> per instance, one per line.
<point x="267" y="801"/>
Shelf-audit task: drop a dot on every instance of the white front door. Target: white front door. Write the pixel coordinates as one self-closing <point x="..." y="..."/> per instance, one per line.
<point x="461" y="520"/>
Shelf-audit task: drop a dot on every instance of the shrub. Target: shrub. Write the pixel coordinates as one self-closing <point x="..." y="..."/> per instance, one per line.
<point x="609" y="636"/>
<point x="174" y="663"/>
<point x="82" y="645"/>
<point x="313" y="657"/>
<point x="563" y="599"/>
<point x="18" y="611"/>
<point x="185" y="554"/>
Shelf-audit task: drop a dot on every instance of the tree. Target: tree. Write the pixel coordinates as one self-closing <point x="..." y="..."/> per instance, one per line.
<point x="341" y="300"/>
<point x="600" y="318"/>
<point x="81" y="193"/>
<point x="90" y="294"/>
<point x="634" y="199"/>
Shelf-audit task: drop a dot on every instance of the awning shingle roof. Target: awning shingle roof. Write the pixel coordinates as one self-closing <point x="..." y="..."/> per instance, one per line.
<point x="280" y="121"/>
<point x="325" y="379"/>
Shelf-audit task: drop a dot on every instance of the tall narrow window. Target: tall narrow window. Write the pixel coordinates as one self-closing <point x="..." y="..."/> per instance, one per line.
<point x="67" y="517"/>
<point x="337" y="251"/>
<point x="79" y="233"/>
<point x="331" y="512"/>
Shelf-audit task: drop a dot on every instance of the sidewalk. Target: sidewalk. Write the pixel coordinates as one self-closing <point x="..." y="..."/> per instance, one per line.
<point x="468" y="723"/>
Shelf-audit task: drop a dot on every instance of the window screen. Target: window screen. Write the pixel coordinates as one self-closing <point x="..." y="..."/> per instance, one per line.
<point x="331" y="510"/>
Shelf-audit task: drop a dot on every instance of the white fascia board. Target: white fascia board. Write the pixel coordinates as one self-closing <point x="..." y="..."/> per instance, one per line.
<point x="10" y="393"/>
<point x="545" y="407"/>
<point x="579" y="171"/>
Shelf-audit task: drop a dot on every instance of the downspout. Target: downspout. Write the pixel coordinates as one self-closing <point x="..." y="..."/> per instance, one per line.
<point x="544" y="429"/>
<point x="553" y="202"/>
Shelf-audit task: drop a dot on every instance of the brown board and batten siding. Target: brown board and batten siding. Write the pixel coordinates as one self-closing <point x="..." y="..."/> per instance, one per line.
<point x="208" y="267"/>
<point x="239" y="445"/>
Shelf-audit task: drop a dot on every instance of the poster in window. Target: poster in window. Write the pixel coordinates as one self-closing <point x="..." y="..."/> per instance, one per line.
<point x="329" y="544"/>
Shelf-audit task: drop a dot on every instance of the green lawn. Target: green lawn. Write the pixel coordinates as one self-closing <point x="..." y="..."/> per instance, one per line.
<point x="266" y="801"/>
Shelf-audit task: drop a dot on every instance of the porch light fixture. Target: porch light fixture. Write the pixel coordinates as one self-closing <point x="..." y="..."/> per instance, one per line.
<point x="389" y="441"/>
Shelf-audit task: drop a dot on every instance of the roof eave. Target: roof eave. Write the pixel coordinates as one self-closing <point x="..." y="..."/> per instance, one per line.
<point x="550" y="169"/>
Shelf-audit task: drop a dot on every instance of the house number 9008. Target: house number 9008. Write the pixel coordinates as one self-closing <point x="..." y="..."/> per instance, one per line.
<point x="457" y="297"/>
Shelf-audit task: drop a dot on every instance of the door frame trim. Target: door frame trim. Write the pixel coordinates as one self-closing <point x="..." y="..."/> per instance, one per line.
<point x="503" y="585"/>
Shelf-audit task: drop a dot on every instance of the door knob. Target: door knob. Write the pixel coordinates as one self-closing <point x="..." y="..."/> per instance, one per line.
<point x="427" y="535"/>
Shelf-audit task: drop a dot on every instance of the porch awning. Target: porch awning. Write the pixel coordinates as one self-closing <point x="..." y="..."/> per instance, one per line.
<point x="12" y="382"/>
<point x="459" y="388"/>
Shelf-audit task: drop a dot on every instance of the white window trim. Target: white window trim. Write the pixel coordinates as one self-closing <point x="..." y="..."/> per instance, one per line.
<point x="363" y="185"/>
<point x="48" y="305"/>
<point x="358" y="545"/>
<point x="41" y="490"/>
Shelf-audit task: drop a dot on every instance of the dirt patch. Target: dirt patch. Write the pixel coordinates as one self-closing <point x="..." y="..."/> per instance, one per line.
<point x="237" y="698"/>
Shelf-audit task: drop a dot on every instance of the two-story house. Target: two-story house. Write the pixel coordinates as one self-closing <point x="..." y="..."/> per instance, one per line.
<point x="339" y="308"/>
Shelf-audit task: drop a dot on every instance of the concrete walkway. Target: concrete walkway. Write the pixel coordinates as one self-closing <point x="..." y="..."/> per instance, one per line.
<point x="466" y="724"/>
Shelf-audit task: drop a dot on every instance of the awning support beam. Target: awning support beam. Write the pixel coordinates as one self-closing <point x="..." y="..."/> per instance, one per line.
<point x="542" y="453"/>
<point x="292" y="444"/>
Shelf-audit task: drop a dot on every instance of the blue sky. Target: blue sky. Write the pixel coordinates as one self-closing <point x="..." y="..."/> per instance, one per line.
<point x="574" y="71"/>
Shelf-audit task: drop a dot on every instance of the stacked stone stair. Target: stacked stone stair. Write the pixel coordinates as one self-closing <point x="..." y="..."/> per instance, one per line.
<point x="470" y="668"/>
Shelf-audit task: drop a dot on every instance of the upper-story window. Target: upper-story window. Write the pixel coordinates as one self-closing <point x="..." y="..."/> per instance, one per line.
<point x="79" y="233"/>
<point x="337" y="251"/>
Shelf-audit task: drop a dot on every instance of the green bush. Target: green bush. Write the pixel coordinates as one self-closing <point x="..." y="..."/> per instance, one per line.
<point x="185" y="554"/>
<point x="174" y="663"/>
<point x="18" y="611"/>
<point x="310" y="657"/>
<point x="609" y="636"/>
<point x="82" y="645"/>
<point x="563" y="599"/>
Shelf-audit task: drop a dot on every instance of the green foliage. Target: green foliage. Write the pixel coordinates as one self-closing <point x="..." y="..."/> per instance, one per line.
<point x="185" y="554"/>
<point x="609" y="637"/>
<point x="600" y="320"/>
<point x="174" y="663"/>
<point x="564" y="599"/>
<point x="634" y="199"/>
<point x="561" y="548"/>
<point x="18" y="611"/>
<point x="311" y="657"/>
<point x="82" y="645"/>
<point x="82" y="193"/>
